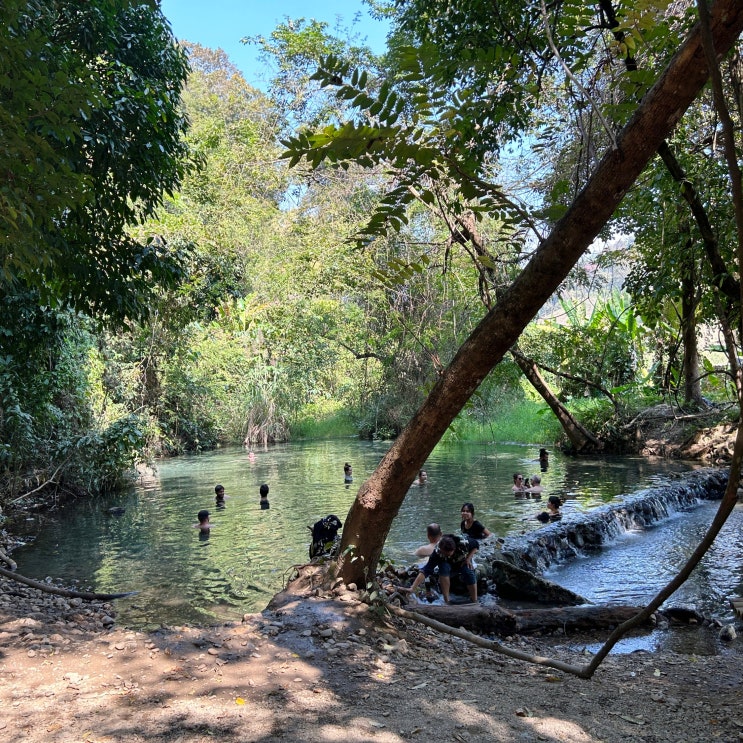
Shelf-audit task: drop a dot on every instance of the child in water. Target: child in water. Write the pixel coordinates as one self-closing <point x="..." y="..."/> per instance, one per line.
<point x="203" y="524"/>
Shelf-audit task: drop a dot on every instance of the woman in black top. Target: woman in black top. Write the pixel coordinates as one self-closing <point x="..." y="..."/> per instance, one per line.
<point x="469" y="526"/>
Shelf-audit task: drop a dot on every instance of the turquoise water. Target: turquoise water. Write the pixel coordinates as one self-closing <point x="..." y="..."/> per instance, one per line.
<point x="185" y="577"/>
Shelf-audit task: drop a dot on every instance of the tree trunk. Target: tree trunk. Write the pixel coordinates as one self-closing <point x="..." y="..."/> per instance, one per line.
<point x="692" y="381"/>
<point x="500" y="621"/>
<point x="581" y="439"/>
<point x="379" y="498"/>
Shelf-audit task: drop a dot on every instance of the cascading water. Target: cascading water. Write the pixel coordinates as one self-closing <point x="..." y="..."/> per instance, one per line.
<point x="580" y="533"/>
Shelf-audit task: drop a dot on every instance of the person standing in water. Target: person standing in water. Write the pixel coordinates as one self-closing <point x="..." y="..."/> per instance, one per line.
<point x="347" y="473"/>
<point x="433" y="533"/>
<point x="470" y="526"/>
<point x="203" y="524"/>
<point x="536" y="485"/>
<point x="264" y="497"/>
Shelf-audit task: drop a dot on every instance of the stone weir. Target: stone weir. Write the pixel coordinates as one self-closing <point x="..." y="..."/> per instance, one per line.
<point x="578" y="534"/>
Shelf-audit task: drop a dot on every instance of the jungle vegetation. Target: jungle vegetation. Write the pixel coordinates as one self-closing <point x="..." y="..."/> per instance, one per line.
<point x="189" y="262"/>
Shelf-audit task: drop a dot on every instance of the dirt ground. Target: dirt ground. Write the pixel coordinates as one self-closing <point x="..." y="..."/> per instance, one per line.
<point x="323" y="667"/>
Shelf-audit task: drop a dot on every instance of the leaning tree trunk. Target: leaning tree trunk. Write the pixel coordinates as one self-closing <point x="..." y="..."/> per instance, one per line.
<point x="692" y="380"/>
<point x="579" y="436"/>
<point x="379" y="498"/>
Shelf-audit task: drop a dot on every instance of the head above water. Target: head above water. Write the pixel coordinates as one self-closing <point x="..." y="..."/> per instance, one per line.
<point x="203" y="516"/>
<point x="535" y="479"/>
<point x="468" y="508"/>
<point x="219" y="490"/>
<point x="554" y="501"/>
<point x="264" y="490"/>
<point x="433" y="531"/>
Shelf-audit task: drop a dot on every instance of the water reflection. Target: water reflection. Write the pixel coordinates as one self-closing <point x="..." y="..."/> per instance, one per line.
<point x="183" y="577"/>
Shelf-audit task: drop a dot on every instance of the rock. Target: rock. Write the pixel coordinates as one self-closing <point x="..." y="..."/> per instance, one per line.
<point x="513" y="582"/>
<point x="727" y="633"/>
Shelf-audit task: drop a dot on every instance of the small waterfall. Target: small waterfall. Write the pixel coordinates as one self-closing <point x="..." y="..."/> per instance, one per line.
<point x="578" y="534"/>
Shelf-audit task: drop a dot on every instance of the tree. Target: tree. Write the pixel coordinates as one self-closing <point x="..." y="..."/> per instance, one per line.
<point x="379" y="498"/>
<point x="92" y="140"/>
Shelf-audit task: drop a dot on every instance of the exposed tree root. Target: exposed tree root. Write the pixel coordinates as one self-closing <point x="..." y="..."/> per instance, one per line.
<point x="69" y="593"/>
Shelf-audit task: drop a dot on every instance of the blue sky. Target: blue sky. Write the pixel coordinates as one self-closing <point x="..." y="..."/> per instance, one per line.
<point x="222" y="23"/>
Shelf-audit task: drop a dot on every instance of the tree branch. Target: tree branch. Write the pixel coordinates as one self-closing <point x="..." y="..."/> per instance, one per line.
<point x="69" y="593"/>
<point x="539" y="660"/>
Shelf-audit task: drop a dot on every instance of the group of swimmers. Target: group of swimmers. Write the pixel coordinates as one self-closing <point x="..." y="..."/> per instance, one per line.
<point x="528" y="486"/>
<point x="204" y="525"/>
<point x="532" y="488"/>
<point x="453" y="554"/>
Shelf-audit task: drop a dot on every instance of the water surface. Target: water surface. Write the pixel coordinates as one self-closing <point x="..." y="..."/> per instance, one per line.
<point x="184" y="577"/>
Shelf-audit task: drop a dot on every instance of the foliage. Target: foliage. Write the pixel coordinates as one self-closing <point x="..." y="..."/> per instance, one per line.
<point x="293" y="52"/>
<point x="84" y="161"/>
<point x="611" y="338"/>
<point x="49" y="432"/>
<point x="326" y="419"/>
<point x="453" y="100"/>
<point x="512" y="419"/>
<point x="92" y="139"/>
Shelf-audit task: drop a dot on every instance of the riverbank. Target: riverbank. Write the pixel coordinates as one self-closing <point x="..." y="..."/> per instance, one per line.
<point x="321" y="666"/>
<point x="325" y="668"/>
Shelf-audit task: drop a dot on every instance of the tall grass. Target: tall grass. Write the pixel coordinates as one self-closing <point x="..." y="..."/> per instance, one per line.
<point x="517" y="420"/>
<point x="323" y="420"/>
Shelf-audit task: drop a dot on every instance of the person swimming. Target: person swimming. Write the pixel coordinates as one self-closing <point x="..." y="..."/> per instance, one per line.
<point x="553" y="511"/>
<point x="203" y="523"/>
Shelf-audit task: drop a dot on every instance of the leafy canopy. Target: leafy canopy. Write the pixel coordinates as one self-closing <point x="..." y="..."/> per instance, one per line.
<point x="92" y="137"/>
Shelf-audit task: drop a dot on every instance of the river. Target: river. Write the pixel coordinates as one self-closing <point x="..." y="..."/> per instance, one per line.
<point x="183" y="577"/>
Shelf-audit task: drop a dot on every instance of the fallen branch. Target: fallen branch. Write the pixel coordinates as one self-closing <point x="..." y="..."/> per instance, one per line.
<point x="580" y="671"/>
<point x="68" y="593"/>
<point x="50" y="481"/>
<point x="499" y="621"/>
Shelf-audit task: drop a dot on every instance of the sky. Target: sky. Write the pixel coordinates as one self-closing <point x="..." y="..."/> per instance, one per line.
<point x="222" y="23"/>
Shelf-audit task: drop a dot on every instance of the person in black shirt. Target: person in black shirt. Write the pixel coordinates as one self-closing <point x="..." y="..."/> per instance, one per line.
<point x="453" y="554"/>
<point x="469" y="526"/>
